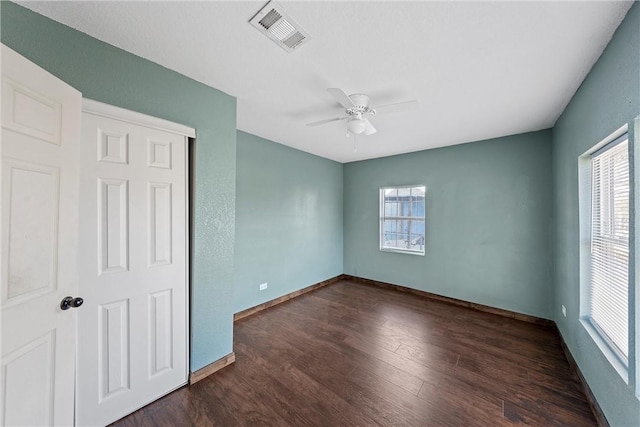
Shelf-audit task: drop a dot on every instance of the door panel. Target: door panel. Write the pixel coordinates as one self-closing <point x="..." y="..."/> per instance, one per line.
<point x="32" y="218"/>
<point x="161" y="333"/>
<point x="28" y="376"/>
<point x="159" y="224"/>
<point x="113" y="236"/>
<point x="31" y="113"/>
<point x="133" y="271"/>
<point x="113" y="354"/>
<point x="40" y="135"/>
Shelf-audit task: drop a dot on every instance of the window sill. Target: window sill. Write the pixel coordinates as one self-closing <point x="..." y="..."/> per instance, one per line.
<point x="605" y="348"/>
<point x="401" y="251"/>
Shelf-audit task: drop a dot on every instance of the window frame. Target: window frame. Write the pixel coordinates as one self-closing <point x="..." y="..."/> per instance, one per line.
<point x="383" y="217"/>
<point x="600" y="337"/>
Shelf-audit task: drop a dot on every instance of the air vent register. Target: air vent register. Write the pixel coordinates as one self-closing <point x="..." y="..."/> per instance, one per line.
<point x="272" y="21"/>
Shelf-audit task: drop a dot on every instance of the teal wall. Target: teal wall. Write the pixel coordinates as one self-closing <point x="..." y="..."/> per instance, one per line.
<point x="608" y="98"/>
<point x="288" y="220"/>
<point x="488" y="222"/>
<point x="111" y="75"/>
<point x="493" y="207"/>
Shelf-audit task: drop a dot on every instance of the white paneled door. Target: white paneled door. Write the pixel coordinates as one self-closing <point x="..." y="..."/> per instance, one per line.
<point x="40" y="142"/>
<point x="133" y="265"/>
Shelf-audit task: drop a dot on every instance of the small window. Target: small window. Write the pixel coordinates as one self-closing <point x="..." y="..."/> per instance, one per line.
<point x="607" y="310"/>
<point x="402" y="219"/>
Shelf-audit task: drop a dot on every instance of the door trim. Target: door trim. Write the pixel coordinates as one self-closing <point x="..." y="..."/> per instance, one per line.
<point x="112" y="112"/>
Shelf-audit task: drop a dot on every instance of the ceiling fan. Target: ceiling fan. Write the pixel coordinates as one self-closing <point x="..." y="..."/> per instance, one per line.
<point x="356" y="109"/>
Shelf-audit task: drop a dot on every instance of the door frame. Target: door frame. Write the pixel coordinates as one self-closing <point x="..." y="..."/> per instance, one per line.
<point x="112" y="112"/>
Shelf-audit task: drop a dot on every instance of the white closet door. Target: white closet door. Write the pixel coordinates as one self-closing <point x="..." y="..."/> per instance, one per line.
<point x="133" y="225"/>
<point x="40" y="143"/>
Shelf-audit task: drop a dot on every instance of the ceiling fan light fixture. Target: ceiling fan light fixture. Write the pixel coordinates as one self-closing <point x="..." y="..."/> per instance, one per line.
<point x="356" y="125"/>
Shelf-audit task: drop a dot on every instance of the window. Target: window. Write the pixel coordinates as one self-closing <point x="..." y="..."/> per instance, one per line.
<point x="607" y="308"/>
<point x="402" y="219"/>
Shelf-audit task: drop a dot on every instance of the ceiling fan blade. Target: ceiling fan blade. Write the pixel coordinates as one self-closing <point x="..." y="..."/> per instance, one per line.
<point x="321" y="122"/>
<point x="341" y="97"/>
<point x="368" y="128"/>
<point x="397" y="107"/>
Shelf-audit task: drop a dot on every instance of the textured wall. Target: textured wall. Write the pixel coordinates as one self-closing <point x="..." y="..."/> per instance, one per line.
<point x="488" y="222"/>
<point x="488" y="203"/>
<point x="608" y="98"/>
<point x="288" y="220"/>
<point x="111" y="75"/>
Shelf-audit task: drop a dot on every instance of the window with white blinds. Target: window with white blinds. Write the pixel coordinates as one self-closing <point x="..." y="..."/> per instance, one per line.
<point x="402" y="219"/>
<point x="609" y="283"/>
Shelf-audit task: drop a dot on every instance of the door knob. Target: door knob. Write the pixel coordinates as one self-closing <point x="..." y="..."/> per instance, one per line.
<point x="68" y="302"/>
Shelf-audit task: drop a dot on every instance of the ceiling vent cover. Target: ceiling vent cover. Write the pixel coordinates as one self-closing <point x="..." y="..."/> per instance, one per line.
<point x="273" y="21"/>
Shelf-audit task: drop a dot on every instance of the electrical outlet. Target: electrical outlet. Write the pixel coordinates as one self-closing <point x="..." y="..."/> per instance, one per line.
<point x="263" y="286"/>
<point x="564" y="311"/>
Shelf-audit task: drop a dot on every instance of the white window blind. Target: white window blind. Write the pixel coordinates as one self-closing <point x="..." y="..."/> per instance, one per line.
<point x="608" y="309"/>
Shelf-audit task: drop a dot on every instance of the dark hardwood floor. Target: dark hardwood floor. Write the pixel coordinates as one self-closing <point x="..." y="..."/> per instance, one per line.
<point x="351" y="354"/>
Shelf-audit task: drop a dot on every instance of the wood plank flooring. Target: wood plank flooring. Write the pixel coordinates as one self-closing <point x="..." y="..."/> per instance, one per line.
<point x="350" y="354"/>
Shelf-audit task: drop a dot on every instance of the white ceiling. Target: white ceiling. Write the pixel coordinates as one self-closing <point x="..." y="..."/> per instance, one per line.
<point x="479" y="69"/>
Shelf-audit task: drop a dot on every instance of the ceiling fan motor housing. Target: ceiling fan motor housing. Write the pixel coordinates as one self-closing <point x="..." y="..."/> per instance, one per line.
<point x="361" y="105"/>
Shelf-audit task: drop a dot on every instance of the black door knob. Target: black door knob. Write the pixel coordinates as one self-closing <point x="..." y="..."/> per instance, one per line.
<point x="65" y="304"/>
<point x="68" y="302"/>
